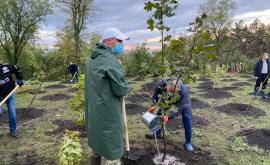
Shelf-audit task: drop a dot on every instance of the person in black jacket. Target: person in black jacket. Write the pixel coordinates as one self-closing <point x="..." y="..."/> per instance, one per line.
<point x="7" y="84"/>
<point x="261" y="73"/>
<point x="73" y="69"/>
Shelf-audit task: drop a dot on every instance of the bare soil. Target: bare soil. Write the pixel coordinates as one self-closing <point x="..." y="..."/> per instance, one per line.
<point x="236" y="109"/>
<point x="67" y="124"/>
<point x="133" y="109"/>
<point x="218" y="93"/>
<point x="56" y="97"/>
<point x="56" y="86"/>
<point x="22" y="114"/>
<point x="198" y="104"/>
<point x="142" y="153"/>
<point x="259" y="137"/>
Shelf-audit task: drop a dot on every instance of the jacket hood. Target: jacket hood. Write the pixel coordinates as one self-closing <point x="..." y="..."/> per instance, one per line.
<point x="99" y="50"/>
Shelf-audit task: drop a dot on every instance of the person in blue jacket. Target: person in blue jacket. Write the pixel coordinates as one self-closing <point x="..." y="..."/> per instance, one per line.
<point x="261" y="74"/>
<point x="183" y="105"/>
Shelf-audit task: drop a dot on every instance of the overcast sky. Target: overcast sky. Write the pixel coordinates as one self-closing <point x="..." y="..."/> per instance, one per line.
<point x="129" y="17"/>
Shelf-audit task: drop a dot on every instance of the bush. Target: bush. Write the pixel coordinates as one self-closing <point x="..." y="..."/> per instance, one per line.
<point x="71" y="152"/>
<point x="77" y="103"/>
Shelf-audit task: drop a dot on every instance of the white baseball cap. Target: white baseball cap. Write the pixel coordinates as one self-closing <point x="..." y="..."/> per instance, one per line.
<point x="113" y="32"/>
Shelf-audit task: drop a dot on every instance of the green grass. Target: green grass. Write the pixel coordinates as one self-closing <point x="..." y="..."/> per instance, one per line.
<point x="217" y="137"/>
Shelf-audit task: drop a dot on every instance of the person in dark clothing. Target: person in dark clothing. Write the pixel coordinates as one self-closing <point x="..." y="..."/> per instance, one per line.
<point x="183" y="105"/>
<point x="261" y="73"/>
<point x="73" y="70"/>
<point x="7" y="84"/>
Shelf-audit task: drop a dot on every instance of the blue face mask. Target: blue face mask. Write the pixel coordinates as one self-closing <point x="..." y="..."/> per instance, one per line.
<point x="118" y="49"/>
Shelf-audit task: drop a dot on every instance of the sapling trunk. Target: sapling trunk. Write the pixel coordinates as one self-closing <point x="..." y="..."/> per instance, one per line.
<point x="164" y="141"/>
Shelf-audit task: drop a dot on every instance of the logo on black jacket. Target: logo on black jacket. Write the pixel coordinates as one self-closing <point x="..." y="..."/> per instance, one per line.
<point x="5" y="69"/>
<point x="4" y="81"/>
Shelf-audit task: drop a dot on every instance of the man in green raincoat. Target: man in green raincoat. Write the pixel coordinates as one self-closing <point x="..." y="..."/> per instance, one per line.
<point x="104" y="91"/>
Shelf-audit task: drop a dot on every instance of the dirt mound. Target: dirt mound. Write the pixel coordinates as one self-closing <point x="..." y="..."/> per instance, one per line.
<point x="143" y="154"/>
<point x="259" y="137"/>
<point x="67" y="124"/>
<point x="133" y="109"/>
<point x="149" y="87"/>
<point x="32" y="91"/>
<point x="177" y="123"/>
<point x="197" y="104"/>
<point x="56" y="86"/>
<point x="55" y="97"/>
<point x="241" y="110"/>
<point x="138" y="98"/>
<point x="218" y="93"/>
<point x="239" y="84"/>
<point x="22" y="114"/>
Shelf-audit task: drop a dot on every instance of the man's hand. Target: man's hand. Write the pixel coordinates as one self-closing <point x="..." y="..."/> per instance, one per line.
<point x="152" y="109"/>
<point x="256" y="77"/>
<point x="165" y="118"/>
<point x="20" y="83"/>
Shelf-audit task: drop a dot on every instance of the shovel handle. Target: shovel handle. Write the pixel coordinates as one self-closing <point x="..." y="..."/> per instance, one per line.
<point x="125" y="126"/>
<point x="5" y="99"/>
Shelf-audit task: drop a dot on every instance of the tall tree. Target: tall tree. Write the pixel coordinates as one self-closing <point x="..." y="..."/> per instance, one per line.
<point x="161" y="9"/>
<point x="19" y="23"/>
<point x="79" y="11"/>
<point x="219" y="15"/>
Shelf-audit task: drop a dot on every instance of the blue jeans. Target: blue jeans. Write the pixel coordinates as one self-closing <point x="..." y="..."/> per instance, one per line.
<point x="11" y="104"/>
<point x="187" y="122"/>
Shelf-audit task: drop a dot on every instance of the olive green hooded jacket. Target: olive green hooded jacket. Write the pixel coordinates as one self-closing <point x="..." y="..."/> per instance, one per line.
<point x="104" y="90"/>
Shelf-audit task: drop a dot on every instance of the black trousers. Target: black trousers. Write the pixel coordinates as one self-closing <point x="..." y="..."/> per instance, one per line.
<point x="262" y="79"/>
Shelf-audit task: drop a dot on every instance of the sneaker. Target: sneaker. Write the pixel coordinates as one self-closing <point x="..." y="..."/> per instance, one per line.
<point x="188" y="147"/>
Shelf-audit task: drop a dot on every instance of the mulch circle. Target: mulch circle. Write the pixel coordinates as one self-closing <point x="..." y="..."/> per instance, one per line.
<point x="198" y="104"/>
<point x="239" y="84"/>
<point x="56" y="97"/>
<point x="177" y="123"/>
<point x="259" y="137"/>
<point x="56" y="86"/>
<point x="67" y="124"/>
<point x="133" y="109"/>
<point x="229" y="80"/>
<point x="142" y="153"/>
<point x="149" y="87"/>
<point x="237" y="109"/>
<point x="138" y="98"/>
<point x="218" y="93"/>
<point x="22" y="114"/>
<point x="32" y="91"/>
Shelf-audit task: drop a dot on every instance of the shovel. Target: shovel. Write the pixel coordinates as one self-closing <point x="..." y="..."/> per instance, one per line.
<point x="5" y="99"/>
<point x="73" y="77"/>
<point x="126" y="128"/>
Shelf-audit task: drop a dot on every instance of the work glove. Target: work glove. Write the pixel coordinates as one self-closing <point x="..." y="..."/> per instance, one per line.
<point x="165" y="118"/>
<point x="152" y="109"/>
<point x="20" y="83"/>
